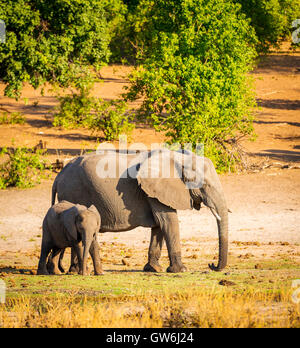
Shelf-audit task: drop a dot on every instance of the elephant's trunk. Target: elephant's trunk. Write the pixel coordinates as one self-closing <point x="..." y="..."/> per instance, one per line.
<point x="217" y="203"/>
<point x="87" y="245"/>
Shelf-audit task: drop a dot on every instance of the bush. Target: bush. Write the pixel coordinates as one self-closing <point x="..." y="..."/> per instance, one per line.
<point x="194" y="58"/>
<point x="23" y="169"/>
<point x="74" y="110"/>
<point x="82" y="110"/>
<point x="12" y="118"/>
<point x="112" y="118"/>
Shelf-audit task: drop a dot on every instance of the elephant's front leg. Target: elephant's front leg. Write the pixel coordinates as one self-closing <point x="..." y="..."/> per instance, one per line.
<point x="171" y="233"/>
<point x="95" y="254"/>
<point x="78" y="249"/>
<point x="156" y="243"/>
<point x="167" y="219"/>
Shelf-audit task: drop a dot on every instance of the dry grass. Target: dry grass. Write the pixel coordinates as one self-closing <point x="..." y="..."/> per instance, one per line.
<point x="253" y="291"/>
<point x="189" y="309"/>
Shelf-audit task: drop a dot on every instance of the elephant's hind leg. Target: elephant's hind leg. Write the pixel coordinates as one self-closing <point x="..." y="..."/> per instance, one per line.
<point x="74" y="267"/>
<point x="45" y="250"/>
<point x="50" y="264"/>
<point x="55" y="259"/>
<point x="61" y="257"/>
<point x="156" y="243"/>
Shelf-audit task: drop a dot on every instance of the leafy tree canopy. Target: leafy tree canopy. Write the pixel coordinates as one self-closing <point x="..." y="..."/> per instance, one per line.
<point x="194" y="57"/>
<point x="271" y="19"/>
<point x="54" y="41"/>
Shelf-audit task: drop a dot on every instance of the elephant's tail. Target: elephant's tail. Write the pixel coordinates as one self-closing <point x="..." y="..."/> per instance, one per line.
<point x="54" y="191"/>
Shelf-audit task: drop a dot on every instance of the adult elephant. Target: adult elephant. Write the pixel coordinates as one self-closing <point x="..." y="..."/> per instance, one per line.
<point x="147" y="189"/>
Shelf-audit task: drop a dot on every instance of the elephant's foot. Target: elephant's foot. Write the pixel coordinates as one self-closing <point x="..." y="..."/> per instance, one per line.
<point x="54" y="270"/>
<point x="153" y="267"/>
<point x="98" y="268"/>
<point x="62" y="270"/>
<point x="50" y="267"/>
<point x="176" y="269"/>
<point x="73" y="269"/>
<point x="42" y="272"/>
<point x="99" y="272"/>
<point x="176" y="265"/>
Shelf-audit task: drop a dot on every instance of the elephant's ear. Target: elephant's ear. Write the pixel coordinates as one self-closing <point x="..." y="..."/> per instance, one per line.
<point x="160" y="177"/>
<point x="69" y="221"/>
<point x="93" y="209"/>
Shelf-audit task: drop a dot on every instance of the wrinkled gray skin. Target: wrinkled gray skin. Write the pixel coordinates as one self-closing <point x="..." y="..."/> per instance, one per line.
<point x="70" y="225"/>
<point x="126" y="203"/>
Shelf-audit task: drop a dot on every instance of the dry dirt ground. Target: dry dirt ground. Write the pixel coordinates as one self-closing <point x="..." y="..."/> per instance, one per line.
<point x="264" y="203"/>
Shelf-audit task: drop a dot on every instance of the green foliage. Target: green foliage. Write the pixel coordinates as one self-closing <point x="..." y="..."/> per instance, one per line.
<point x="23" y="169"/>
<point x="112" y="118"/>
<point x="119" y="30"/>
<point x="74" y="111"/>
<point x="82" y="110"/>
<point x="12" y="118"/>
<point x="122" y="43"/>
<point x="271" y="19"/>
<point x="194" y="58"/>
<point x="52" y="41"/>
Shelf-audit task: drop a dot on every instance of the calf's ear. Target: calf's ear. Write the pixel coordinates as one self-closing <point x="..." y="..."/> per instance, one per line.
<point x="93" y="209"/>
<point x="69" y="221"/>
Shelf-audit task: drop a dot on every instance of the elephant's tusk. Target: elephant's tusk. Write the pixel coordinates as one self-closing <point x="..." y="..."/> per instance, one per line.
<point x="217" y="216"/>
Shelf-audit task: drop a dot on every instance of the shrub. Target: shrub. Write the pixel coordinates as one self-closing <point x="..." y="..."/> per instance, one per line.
<point x="12" y="118"/>
<point x="74" y="110"/>
<point x="23" y="169"/>
<point x="112" y="118"/>
<point x="194" y="58"/>
<point x="82" y="110"/>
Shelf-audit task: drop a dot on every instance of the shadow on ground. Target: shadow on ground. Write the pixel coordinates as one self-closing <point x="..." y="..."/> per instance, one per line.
<point x="282" y="104"/>
<point x="278" y="63"/>
<point x="280" y="155"/>
<point x="295" y="124"/>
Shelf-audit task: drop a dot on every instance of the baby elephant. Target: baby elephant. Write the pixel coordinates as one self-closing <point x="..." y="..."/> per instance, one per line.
<point x="67" y="225"/>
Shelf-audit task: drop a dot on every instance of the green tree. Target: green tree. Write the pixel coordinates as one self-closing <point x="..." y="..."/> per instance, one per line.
<point x="55" y="41"/>
<point x="271" y="19"/>
<point x="194" y="58"/>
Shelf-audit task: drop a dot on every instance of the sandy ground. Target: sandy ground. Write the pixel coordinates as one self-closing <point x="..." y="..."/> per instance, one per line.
<point x="265" y="204"/>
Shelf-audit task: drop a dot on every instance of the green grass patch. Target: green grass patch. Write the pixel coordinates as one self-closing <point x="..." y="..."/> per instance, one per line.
<point x="12" y="118"/>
